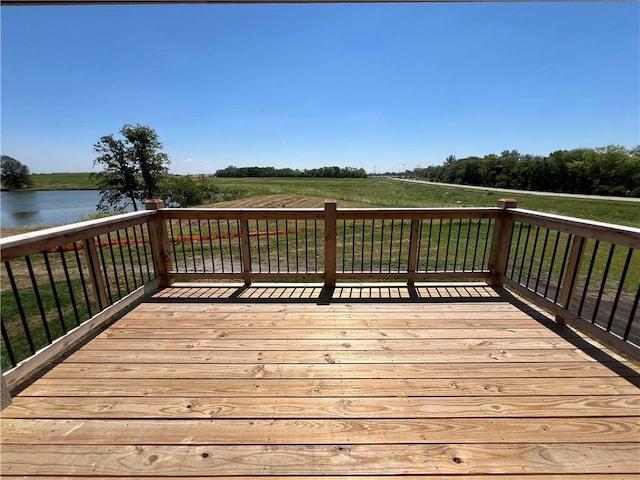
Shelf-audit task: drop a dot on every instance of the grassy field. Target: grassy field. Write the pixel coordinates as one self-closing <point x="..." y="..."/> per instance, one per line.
<point x="389" y="193"/>
<point x="384" y="193"/>
<point x="62" y="181"/>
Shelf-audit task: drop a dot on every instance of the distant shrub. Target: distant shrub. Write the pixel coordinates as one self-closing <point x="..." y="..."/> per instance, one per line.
<point x="619" y="191"/>
<point x="184" y="191"/>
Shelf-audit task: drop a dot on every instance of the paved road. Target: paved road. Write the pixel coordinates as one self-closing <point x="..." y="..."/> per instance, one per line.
<point x="521" y="192"/>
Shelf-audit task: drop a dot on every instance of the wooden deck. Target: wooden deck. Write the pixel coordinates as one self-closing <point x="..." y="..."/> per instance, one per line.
<point x="435" y="382"/>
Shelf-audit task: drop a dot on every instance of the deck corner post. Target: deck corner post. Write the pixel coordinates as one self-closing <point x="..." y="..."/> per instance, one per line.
<point x="5" y="395"/>
<point x="499" y="253"/>
<point x="159" y="243"/>
<point x="330" y="229"/>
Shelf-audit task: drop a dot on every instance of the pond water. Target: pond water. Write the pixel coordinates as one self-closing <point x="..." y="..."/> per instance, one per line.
<point x="51" y="207"/>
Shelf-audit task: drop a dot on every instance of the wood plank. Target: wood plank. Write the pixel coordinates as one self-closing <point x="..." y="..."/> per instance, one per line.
<point x="209" y="292"/>
<point x="413" y="344"/>
<point x="205" y="320"/>
<point x="461" y="459"/>
<point x="581" y="476"/>
<point x="321" y="432"/>
<point x="335" y="370"/>
<point x="334" y="356"/>
<point x="313" y="308"/>
<point x="320" y="315"/>
<point x="534" y="331"/>
<point x="540" y="406"/>
<point x="328" y="387"/>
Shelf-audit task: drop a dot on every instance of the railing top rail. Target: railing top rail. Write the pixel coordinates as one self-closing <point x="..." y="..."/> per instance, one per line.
<point x="317" y="213"/>
<point x="608" y="232"/>
<point x="241" y="213"/>
<point x="420" y="213"/>
<point x="32" y="242"/>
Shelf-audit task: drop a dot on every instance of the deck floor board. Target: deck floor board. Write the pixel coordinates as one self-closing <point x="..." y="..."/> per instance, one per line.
<point x="205" y="382"/>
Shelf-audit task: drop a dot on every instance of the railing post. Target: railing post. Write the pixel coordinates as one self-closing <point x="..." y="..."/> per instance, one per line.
<point x="5" y="395"/>
<point x="159" y="243"/>
<point x="244" y="252"/>
<point x="500" y="243"/>
<point x="570" y="279"/>
<point x="330" y="221"/>
<point x="413" y="251"/>
<point x="95" y="273"/>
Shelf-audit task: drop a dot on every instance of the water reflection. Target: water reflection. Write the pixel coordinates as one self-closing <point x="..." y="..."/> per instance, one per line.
<point x="25" y="218"/>
<point x="52" y="207"/>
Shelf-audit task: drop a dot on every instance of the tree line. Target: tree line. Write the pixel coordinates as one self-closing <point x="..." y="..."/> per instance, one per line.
<point x="611" y="170"/>
<point x="324" y="172"/>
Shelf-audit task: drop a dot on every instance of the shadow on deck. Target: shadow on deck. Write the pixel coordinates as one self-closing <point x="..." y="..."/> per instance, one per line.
<point x="296" y="380"/>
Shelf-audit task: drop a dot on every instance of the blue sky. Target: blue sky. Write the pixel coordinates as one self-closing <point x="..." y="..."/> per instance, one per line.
<point x="303" y="86"/>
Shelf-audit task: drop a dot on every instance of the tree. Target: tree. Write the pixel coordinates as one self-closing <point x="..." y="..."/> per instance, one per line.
<point x="610" y="170"/>
<point x="14" y="175"/>
<point x="182" y="192"/>
<point x="132" y="168"/>
<point x="145" y="153"/>
<point x="118" y="182"/>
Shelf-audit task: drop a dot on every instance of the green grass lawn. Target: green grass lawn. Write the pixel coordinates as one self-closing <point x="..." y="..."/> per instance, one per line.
<point x="62" y="181"/>
<point x="387" y="193"/>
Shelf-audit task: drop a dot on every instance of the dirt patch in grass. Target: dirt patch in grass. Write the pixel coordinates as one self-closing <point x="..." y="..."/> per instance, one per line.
<point x="283" y="201"/>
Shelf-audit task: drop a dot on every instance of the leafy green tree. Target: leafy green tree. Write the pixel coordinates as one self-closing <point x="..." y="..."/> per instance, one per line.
<point x="610" y="170"/>
<point x="144" y="152"/>
<point x="118" y="181"/>
<point x="14" y="175"/>
<point x="132" y="168"/>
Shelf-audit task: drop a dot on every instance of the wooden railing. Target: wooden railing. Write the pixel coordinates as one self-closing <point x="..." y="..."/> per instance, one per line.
<point x="328" y="245"/>
<point x="587" y="273"/>
<point x="55" y="280"/>
<point x="60" y="283"/>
